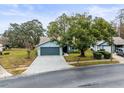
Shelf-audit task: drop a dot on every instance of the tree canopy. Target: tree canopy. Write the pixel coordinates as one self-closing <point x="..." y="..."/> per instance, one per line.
<point x="58" y="28"/>
<point x="24" y="35"/>
<point x="80" y="31"/>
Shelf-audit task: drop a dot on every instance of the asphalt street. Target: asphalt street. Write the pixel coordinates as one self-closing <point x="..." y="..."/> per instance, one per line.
<point x="109" y="76"/>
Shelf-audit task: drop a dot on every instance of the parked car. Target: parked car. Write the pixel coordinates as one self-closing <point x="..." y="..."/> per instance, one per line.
<point x="120" y="51"/>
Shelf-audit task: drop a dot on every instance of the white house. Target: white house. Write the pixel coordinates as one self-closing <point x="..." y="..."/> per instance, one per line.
<point x="118" y="42"/>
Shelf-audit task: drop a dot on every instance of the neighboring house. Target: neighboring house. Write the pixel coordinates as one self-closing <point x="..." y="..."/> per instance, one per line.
<point x="48" y="47"/>
<point x="118" y="42"/>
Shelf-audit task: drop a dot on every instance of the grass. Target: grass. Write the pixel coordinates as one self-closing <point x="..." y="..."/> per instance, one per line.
<point x="75" y="56"/>
<point x="16" y="62"/>
<point x="93" y="63"/>
<point x="75" y="60"/>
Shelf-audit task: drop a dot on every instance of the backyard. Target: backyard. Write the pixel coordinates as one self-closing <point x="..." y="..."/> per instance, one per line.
<point x="15" y="60"/>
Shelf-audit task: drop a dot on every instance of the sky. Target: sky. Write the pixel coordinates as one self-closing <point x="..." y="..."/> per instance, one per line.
<point x="19" y="13"/>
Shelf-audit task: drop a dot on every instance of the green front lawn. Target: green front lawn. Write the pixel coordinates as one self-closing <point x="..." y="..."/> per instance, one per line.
<point x="86" y="61"/>
<point x="16" y="62"/>
<point x="75" y="56"/>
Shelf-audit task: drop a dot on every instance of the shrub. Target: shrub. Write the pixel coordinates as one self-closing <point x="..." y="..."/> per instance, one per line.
<point x="0" y="53"/>
<point x="97" y="55"/>
<point x="107" y="55"/>
<point x="102" y="50"/>
<point x="6" y="53"/>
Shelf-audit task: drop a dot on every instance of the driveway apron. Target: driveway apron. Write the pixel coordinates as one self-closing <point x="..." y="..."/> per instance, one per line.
<point x="47" y="63"/>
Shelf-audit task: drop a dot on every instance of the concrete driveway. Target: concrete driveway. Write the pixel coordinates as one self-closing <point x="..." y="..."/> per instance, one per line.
<point x="4" y="73"/>
<point x="47" y="63"/>
<point x="118" y="58"/>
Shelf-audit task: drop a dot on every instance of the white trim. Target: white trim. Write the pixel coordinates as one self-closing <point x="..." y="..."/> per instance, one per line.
<point x="38" y="51"/>
<point x="61" y="53"/>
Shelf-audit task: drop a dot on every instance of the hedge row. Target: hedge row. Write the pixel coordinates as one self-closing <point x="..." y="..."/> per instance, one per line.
<point x="102" y="54"/>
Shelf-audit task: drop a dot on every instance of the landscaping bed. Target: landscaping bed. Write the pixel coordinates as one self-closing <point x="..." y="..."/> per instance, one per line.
<point x="16" y="61"/>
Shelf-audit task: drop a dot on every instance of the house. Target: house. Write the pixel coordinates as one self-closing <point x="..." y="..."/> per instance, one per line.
<point x="48" y="47"/>
<point x="118" y="42"/>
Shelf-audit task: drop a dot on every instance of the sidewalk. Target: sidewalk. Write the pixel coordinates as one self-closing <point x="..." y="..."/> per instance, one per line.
<point x="4" y="73"/>
<point x="90" y="61"/>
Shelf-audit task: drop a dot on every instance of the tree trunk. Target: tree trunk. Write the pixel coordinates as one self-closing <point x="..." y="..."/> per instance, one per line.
<point x="29" y="53"/>
<point x="29" y="47"/>
<point x="82" y="54"/>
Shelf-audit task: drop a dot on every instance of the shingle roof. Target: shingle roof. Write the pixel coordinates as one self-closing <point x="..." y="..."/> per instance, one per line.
<point x="43" y="40"/>
<point x="99" y="42"/>
<point x="118" y="41"/>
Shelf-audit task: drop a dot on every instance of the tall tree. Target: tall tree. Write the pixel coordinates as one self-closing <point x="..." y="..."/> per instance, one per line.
<point x="25" y="35"/>
<point x="58" y="28"/>
<point x="80" y="31"/>
<point x="103" y="28"/>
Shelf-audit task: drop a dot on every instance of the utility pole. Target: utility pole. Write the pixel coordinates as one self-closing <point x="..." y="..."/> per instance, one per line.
<point x="111" y="39"/>
<point x="111" y="46"/>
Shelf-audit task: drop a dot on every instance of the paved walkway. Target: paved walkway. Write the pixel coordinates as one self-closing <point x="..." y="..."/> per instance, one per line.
<point x="90" y="61"/>
<point x="47" y="63"/>
<point x="4" y="73"/>
<point x="119" y="58"/>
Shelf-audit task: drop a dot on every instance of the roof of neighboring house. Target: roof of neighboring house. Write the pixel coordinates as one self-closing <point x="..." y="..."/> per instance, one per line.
<point x="100" y="42"/>
<point x="118" y="41"/>
<point x="43" y="40"/>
